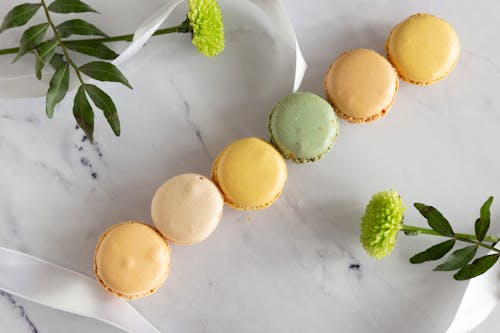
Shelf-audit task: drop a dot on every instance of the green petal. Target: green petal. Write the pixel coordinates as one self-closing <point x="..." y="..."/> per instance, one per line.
<point x="381" y="223"/>
<point x="206" y="23"/>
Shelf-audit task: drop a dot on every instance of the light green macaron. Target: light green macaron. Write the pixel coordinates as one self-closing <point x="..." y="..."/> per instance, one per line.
<point x="303" y="127"/>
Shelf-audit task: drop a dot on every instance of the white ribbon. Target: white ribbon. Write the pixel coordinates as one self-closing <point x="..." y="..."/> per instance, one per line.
<point x="146" y="30"/>
<point x="51" y="285"/>
<point x="277" y="13"/>
<point x="54" y="286"/>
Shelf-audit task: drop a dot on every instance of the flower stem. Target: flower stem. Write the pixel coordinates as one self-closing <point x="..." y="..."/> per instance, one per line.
<point x="458" y="236"/>
<point x="122" y="38"/>
<point x="182" y="28"/>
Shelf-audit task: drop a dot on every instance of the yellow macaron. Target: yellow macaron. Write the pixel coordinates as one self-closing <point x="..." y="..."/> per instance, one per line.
<point x="361" y="85"/>
<point x="250" y="173"/>
<point x="132" y="260"/>
<point x="423" y="48"/>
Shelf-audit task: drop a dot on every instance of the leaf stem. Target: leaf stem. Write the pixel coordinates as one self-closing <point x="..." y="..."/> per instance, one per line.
<point x="184" y="27"/>
<point x="458" y="236"/>
<point x="61" y="43"/>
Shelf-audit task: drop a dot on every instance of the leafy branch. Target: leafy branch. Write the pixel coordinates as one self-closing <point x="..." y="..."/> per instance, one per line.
<point x="204" y="22"/>
<point x="46" y="53"/>
<point x="460" y="259"/>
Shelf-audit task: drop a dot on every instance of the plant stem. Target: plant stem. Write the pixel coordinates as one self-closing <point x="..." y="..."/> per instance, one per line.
<point x="61" y="44"/>
<point x="182" y="28"/>
<point x="9" y="51"/>
<point x="458" y="236"/>
<point x="426" y="231"/>
<point x="128" y="37"/>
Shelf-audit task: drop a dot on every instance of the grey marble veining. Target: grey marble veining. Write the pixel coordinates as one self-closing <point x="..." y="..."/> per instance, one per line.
<point x="297" y="266"/>
<point x="18" y="312"/>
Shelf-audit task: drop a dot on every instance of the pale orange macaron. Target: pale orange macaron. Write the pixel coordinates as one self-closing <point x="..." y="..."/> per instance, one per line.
<point x="361" y="85"/>
<point x="132" y="260"/>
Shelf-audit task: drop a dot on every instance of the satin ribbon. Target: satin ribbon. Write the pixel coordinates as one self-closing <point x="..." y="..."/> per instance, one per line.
<point x="276" y="11"/>
<point x="54" y="286"/>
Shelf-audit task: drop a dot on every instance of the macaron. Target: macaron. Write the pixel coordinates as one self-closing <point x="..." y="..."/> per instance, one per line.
<point x="303" y="127"/>
<point x="187" y="208"/>
<point x="361" y="85"/>
<point x="250" y="173"/>
<point x="423" y="48"/>
<point x="132" y="260"/>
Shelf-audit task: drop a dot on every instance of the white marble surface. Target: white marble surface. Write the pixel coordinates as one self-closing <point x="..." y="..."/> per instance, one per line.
<point x="298" y="266"/>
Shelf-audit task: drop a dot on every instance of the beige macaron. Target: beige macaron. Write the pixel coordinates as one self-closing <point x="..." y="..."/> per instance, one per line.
<point x="187" y="208"/>
<point x="132" y="260"/>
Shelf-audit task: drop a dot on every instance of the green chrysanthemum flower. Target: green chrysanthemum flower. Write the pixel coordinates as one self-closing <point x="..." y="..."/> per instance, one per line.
<point x="381" y="223"/>
<point x="206" y="23"/>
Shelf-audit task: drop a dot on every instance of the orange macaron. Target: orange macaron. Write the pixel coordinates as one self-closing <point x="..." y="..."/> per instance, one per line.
<point x="361" y="85"/>
<point x="132" y="260"/>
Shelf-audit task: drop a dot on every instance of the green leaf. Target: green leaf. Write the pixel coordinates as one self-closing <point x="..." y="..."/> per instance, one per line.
<point x="483" y="222"/>
<point x="44" y="54"/>
<point x="70" y="6"/>
<point x="82" y="111"/>
<point x="105" y="103"/>
<point x="435" y="219"/>
<point x="47" y="49"/>
<point x="39" y="64"/>
<point x="57" y="61"/>
<point x="78" y="27"/>
<point x="19" y="15"/>
<point x="58" y="88"/>
<point x="434" y="252"/>
<point x="31" y="38"/>
<point x="93" y="49"/>
<point x="104" y="71"/>
<point x="458" y="259"/>
<point x="478" y="267"/>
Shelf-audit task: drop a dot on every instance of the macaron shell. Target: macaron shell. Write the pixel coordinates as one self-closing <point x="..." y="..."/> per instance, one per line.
<point x="250" y="173"/>
<point x="361" y="85"/>
<point x="423" y="48"/>
<point x="303" y="127"/>
<point x="187" y="208"/>
<point x="132" y="260"/>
